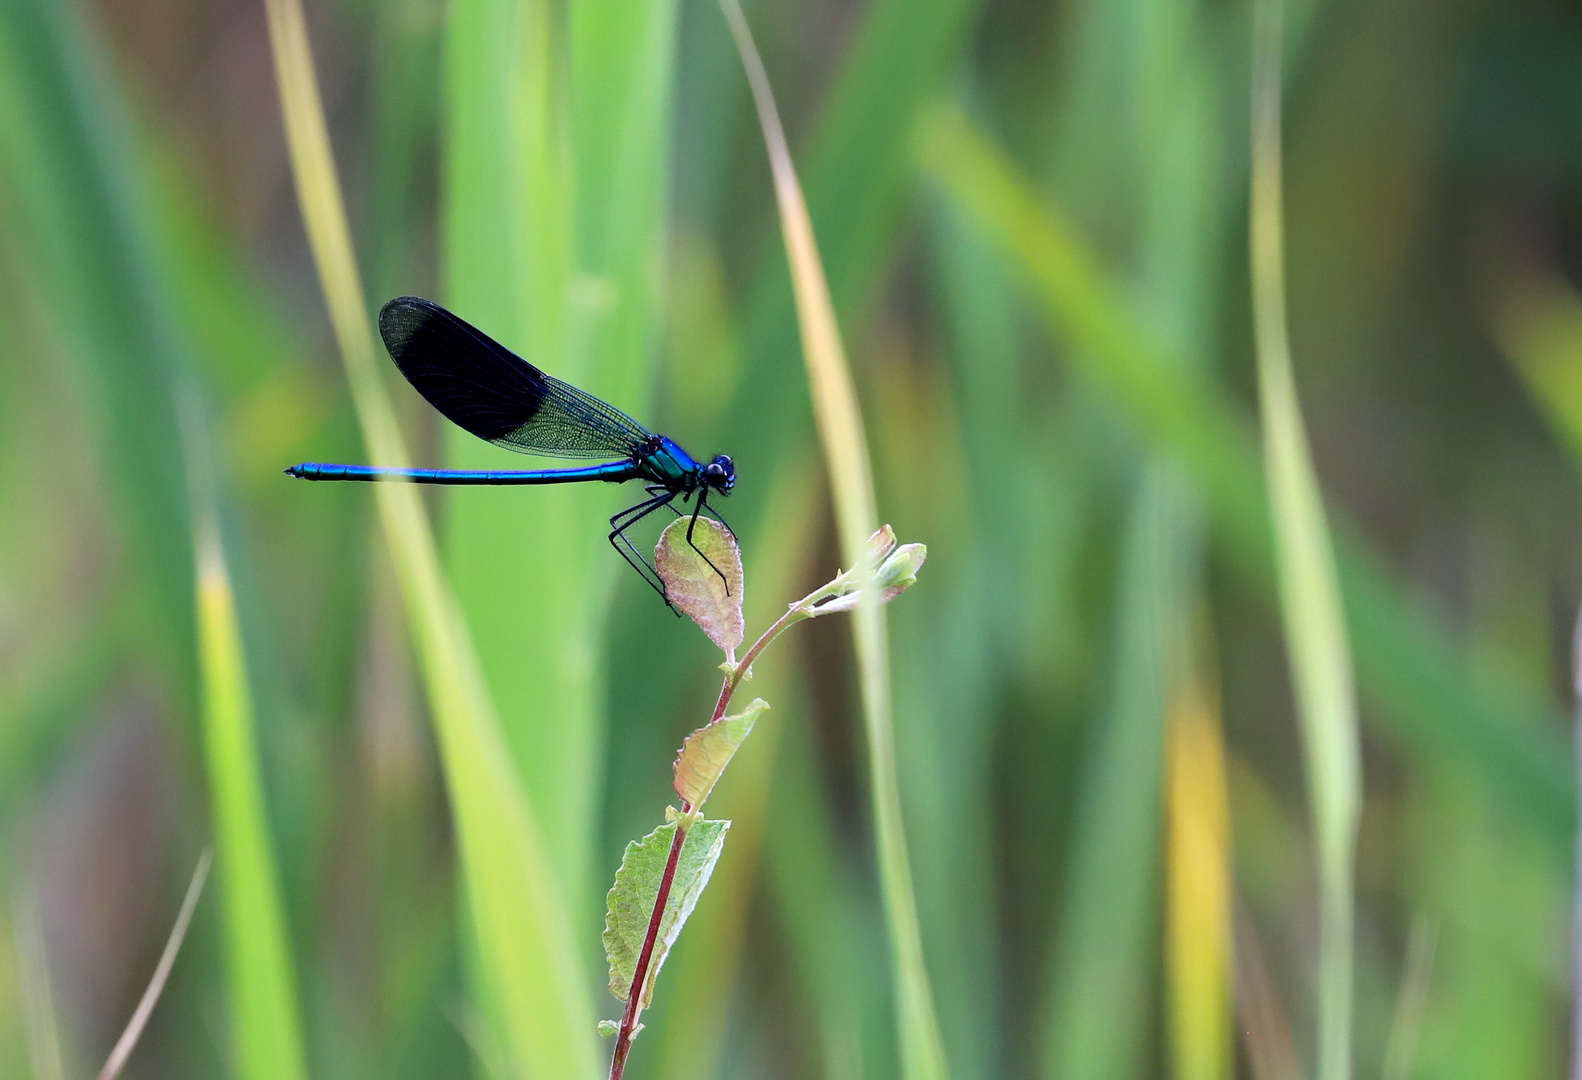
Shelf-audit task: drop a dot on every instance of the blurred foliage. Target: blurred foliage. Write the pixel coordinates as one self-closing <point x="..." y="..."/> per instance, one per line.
<point x="1032" y="217"/>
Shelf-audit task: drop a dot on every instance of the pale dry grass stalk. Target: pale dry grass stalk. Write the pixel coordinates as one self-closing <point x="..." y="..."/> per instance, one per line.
<point x="156" y="985"/>
<point x="839" y="422"/>
<point x="1310" y="605"/>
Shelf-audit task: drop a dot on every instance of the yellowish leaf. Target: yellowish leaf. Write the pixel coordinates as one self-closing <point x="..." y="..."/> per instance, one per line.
<point x="703" y="578"/>
<point x="707" y="751"/>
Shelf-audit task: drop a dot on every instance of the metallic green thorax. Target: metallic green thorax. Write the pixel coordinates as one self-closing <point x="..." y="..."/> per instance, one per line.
<point x="663" y="462"/>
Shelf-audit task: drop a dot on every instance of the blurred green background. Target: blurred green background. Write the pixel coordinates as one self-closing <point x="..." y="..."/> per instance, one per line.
<point x="1033" y="218"/>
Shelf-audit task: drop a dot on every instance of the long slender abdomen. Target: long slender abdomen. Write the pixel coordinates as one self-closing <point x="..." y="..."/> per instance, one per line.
<point x="613" y="472"/>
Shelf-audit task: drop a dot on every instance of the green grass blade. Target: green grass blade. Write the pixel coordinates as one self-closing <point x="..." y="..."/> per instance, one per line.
<point x="837" y="960"/>
<point x="1538" y="322"/>
<point x="1099" y="987"/>
<point x="403" y="88"/>
<point x="1400" y="1053"/>
<point x="13" y="1004"/>
<point x="620" y="71"/>
<point x="622" y="59"/>
<point x="958" y="644"/>
<point x="75" y="180"/>
<point x="855" y="177"/>
<point x="266" y="1032"/>
<point x="1489" y="1010"/>
<point x="531" y="979"/>
<point x="1405" y="661"/>
<point x="857" y="161"/>
<point x="69" y="179"/>
<point x="46" y="1054"/>
<point x="1315" y="631"/>
<point x="522" y="567"/>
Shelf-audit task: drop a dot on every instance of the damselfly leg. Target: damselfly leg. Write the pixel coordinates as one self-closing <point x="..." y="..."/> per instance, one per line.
<point x="713" y="511"/>
<point x="655" y="489"/>
<point x="628" y="551"/>
<point x="703" y="497"/>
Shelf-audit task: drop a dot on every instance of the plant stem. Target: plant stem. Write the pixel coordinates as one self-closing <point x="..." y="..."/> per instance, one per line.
<point x="795" y="613"/>
<point x="634" y="996"/>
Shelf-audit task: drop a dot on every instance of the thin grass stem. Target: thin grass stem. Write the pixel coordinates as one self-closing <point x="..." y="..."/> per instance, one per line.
<point x="156" y="985"/>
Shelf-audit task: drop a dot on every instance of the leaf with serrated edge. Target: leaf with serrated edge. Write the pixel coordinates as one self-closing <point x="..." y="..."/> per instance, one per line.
<point x="694" y="587"/>
<point x="630" y="903"/>
<point x="707" y="751"/>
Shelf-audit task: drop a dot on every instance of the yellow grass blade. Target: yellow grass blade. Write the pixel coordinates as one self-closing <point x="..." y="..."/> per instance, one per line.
<point x="529" y="965"/>
<point x="1197" y="898"/>
<point x="839" y="422"/>
<point x="266" y="1031"/>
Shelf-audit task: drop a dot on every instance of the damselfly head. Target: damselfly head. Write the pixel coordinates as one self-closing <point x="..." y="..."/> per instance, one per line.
<point x="720" y="474"/>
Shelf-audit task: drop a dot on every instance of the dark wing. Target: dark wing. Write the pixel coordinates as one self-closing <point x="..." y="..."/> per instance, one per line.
<point x="480" y="385"/>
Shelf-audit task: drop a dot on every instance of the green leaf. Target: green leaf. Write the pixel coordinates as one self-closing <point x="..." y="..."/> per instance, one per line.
<point x="631" y="900"/>
<point x="707" y="751"/>
<point x="707" y="586"/>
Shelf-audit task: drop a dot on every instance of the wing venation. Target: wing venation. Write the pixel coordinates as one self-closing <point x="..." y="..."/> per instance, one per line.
<point x="483" y="387"/>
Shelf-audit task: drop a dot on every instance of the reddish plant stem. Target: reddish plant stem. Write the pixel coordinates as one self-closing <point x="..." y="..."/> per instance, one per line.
<point x="739" y="672"/>
<point x="634" y="996"/>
